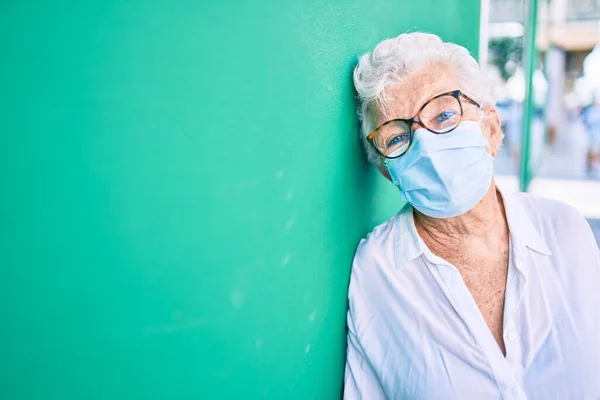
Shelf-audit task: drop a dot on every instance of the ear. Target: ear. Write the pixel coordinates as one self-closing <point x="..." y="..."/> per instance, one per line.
<point x="492" y="128"/>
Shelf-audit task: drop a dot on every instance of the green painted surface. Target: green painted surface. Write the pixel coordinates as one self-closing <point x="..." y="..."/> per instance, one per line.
<point x="183" y="191"/>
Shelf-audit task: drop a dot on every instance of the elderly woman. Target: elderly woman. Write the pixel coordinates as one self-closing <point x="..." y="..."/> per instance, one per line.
<point x="466" y="293"/>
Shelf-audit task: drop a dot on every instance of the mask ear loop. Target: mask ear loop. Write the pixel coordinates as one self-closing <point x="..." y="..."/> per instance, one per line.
<point x="480" y="111"/>
<point x="481" y="118"/>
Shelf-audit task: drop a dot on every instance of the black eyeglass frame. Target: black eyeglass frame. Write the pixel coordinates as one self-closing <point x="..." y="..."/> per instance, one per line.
<point x="457" y="94"/>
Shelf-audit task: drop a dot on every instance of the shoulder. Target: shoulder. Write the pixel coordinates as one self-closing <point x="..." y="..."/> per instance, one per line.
<point x="549" y="213"/>
<point x="374" y="260"/>
<point x="378" y="244"/>
<point x="555" y="220"/>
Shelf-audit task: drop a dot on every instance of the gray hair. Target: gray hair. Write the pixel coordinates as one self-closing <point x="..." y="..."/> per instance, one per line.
<point x="394" y="59"/>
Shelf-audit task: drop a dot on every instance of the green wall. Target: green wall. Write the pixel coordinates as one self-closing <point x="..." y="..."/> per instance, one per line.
<point x="183" y="191"/>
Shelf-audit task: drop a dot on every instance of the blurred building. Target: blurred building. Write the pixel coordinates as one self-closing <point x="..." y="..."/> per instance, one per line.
<point x="567" y="31"/>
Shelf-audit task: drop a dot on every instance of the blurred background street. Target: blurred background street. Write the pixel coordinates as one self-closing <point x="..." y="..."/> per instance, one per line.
<point x="562" y="156"/>
<point x="562" y="174"/>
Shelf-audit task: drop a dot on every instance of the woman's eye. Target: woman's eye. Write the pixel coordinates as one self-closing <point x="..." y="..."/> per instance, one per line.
<point x="445" y="116"/>
<point x="396" y="140"/>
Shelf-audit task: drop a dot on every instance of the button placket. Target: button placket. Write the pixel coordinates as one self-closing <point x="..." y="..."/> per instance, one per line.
<point x="509" y="338"/>
<point x="514" y="393"/>
<point x="512" y="345"/>
<point x="459" y="297"/>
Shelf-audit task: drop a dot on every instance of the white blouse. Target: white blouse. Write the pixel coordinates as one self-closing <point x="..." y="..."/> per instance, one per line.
<point x="415" y="331"/>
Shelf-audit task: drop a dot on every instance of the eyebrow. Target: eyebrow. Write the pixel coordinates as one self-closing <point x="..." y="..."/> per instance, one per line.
<point x="420" y="105"/>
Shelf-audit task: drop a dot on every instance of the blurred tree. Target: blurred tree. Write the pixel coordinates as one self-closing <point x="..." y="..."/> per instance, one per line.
<point x="506" y="53"/>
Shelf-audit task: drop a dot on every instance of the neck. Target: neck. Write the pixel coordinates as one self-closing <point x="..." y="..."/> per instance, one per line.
<point x="485" y="222"/>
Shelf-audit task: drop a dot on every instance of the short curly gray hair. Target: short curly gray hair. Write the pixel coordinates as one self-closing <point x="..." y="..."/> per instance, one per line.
<point x="394" y="59"/>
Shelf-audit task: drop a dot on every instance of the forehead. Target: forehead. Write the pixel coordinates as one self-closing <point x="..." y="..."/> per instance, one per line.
<point x="408" y="95"/>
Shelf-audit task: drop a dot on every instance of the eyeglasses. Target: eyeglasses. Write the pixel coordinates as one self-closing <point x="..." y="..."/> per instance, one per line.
<point x="440" y="114"/>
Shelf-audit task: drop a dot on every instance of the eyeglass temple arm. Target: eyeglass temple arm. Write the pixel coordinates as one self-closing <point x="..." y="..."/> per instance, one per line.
<point x="470" y="100"/>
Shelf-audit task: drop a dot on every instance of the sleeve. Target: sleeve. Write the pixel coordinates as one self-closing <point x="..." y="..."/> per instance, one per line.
<point x="360" y="381"/>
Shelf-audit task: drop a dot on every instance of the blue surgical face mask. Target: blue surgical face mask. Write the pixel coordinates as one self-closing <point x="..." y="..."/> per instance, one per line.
<point x="444" y="175"/>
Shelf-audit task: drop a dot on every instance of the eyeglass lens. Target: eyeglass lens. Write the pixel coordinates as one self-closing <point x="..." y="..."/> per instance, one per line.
<point x="439" y="115"/>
